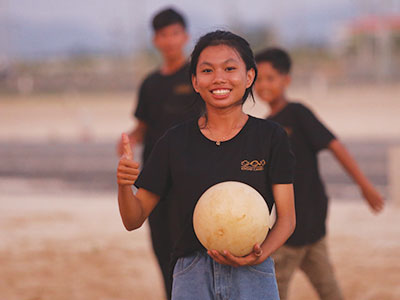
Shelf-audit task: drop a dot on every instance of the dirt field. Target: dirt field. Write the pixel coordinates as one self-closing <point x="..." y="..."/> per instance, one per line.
<point x="58" y="244"/>
<point x="74" y="247"/>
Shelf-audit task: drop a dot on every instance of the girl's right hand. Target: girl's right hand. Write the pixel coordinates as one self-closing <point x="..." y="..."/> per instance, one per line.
<point x="226" y="258"/>
<point x="128" y="169"/>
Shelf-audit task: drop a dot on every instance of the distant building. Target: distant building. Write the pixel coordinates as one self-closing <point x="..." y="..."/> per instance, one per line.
<point x="370" y="47"/>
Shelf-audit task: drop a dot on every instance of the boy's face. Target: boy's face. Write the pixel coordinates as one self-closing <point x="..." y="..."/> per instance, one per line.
<point x="171" y="40"/>
<point x="270" y="85"/>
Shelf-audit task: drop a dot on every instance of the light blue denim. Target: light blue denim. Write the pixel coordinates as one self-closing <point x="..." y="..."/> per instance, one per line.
<point x="199" y="277"/>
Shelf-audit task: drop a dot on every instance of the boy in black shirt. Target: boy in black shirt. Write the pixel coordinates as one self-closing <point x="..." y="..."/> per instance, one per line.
<point x="166" y="98"/>
<point x="306" y="248"/>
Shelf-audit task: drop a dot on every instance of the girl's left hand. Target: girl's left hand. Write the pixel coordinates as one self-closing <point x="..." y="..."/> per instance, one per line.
<point x="226" y="258"/>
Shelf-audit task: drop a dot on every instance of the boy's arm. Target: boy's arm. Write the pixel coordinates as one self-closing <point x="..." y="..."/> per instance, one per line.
<point x="141" y="113"/>
<point x="137" y="134"/>
<point x="370" y="194"/>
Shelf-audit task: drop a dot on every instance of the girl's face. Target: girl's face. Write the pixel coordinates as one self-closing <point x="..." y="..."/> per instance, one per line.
<point x="221" y="77"/>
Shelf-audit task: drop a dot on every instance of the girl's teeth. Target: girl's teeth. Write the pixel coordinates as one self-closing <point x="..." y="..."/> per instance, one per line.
<point x="220" y="92"/>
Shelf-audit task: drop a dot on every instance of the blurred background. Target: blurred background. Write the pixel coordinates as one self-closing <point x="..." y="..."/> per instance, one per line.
<point x="69" y="73"/>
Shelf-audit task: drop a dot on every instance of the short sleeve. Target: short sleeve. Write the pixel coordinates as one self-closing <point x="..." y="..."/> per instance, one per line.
<point x="141" y="111"/>
<point x="281" y="161"/>
<point x="155" y="175"/>
<point x="316" y="133"/>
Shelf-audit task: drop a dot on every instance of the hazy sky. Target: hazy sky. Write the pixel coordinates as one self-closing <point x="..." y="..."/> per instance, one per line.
<point x="102" y="13"/>
<point x="129" y="19"/>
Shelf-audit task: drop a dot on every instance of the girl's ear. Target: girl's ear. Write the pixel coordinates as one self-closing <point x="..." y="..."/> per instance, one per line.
<point x="194" y="83"/>
<point x="250" y="77"/>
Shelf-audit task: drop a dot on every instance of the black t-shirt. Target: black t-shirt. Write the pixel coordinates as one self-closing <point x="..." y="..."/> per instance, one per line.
<point x="184" y="164"/>
<point x="307" y="136"/>
<point x="164" y="101"/>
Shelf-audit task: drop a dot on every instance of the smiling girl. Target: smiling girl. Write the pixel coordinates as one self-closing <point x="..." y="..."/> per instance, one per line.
<point x="198" y="154"/>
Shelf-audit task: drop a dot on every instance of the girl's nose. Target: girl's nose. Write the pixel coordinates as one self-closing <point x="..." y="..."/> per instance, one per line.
<point x="220" y="76"/>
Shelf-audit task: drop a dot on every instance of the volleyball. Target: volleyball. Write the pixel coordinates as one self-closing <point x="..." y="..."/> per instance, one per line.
<point x="231" y="216"/>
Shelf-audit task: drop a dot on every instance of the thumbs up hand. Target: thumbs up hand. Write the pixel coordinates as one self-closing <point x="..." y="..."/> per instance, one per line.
<point x="121" y="146"/>
<point x="128" y="170"/>
<point x="126" y="147"/>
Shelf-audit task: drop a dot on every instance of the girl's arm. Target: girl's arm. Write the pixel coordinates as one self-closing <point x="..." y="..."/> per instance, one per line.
<point x="134" y="209"/>
<point x="283" y="228"/>
<point x="370" y="194"/>
<point x="285" y="222"/>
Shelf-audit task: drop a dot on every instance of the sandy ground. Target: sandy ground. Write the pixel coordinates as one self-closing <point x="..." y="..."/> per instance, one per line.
<point x="75" y="247"/>
<point x="72" y="245"/>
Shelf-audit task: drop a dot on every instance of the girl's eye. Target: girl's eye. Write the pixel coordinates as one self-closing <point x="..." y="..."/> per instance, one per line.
<point x="230" y="68"/>
<point x="206" y="70"/>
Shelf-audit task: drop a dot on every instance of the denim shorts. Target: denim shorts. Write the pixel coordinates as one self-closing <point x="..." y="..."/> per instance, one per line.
<point x="198" y="276"/>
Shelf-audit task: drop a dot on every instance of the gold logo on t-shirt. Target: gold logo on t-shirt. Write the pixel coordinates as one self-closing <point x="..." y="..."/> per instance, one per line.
<point x="183" y="89"/>
<point x="253" y="165"/>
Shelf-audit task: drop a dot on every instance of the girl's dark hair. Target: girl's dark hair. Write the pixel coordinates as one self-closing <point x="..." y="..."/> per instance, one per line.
<point x="277" y="57"/>
<point x="229" y="39"/>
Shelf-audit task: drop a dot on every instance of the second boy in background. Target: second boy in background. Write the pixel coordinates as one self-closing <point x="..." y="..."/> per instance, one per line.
<point x="306" y="248"/>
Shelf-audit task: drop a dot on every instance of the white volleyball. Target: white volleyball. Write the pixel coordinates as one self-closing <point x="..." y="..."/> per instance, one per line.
<point x="231" y="216"/>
